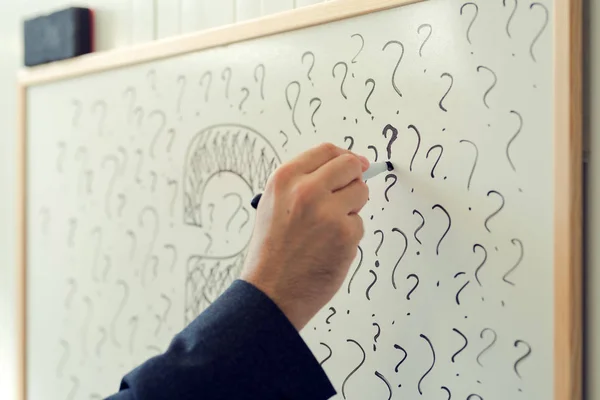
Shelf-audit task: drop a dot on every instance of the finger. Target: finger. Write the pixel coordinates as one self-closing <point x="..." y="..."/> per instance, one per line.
<point x="357" y="227"/>
<point x="316" y="157"/>
<point x="339" y="172"/>
<point x="353" y="197"/>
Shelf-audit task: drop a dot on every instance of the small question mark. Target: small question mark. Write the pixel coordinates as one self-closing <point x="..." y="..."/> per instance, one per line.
<point x="237" y="209"/>
<point x="260" y="67"/>
<point x="244" y="98"/>
<point x="108" y="266"/>
<point x="121" y="150"/>
<point x="441" y="148"/>
<point x="487" y="220"/>
<point x="485" y="255"/>
<point x="362" y="46"/>
<point x="416" y="278"/>
<point x="464" y="346"/>
<point x="286" y="138"/>
<point x="437" y="206"/>
<point x="380" y="242"/>
<point x="401" y="256"/>
<point x="122" y="303"/>
<point x="414" y="128"/>
<point x="182" y="81"/>
<point x="100" y="104"/>
<point x="457" y="296"/>
<point x="515" y="242"/>
<point x="447" y="91"/>
<point x="226" y="76"/>
<point x="374" y="149"/>
<point x="164" y="316"/>
<point x="61" y="156"/>
<point x="206" y="75"/>
<point x="420" y="226"/>
<point x="312" y="65"/>
<point x="175" y="185"/>
<point x="487" y="92"/>
<point x="513" y="138"/>
<point x="111" y="184"/>
<point x="489" y="346"/>
<point x="541" y="30"/>
<point x="395" y="178"/>
<point x="174" y="250"/>
<point x="393" y="138"/>
<point x="371" y="81"/>
<point x="163" y="121"/>
<point x="312" y="118"/>
<point x="343" y="64"/>
<point x="397" y="64"/>
<point x="375" y="324"/>
<point x="351" y="139"/>
<point x="98" y="233"/>
<point x="293" y="108"/>
<point x="426" y="39"/>
<point x="522" y="358"/>
<point x="333" y="312"/>
<point x="474" y="162"/>
<point x="472" y="21"/>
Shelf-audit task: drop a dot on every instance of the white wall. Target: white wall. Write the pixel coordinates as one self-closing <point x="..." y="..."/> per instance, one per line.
<point x="125" y="22"/>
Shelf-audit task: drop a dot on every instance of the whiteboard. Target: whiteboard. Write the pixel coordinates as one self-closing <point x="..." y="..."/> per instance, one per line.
<point x="139" y="181"/>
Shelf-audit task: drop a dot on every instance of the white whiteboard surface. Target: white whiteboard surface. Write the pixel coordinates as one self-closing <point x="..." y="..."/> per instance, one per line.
<point x="133" y="231"/>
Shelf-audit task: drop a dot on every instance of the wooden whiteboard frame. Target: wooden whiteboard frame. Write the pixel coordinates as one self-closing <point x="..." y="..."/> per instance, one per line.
<point x="567" y="49"/>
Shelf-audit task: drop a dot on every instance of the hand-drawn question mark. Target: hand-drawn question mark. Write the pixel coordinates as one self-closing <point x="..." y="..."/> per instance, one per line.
<point x="362" y="46"/>
<point x="111" y="183"/>
<point x="426" y="39"/>
<point x="342" y="64"/>
<point x="329" y="356"/>
<point x="372" y="82"/>
<point x="175" y="185"/>
<point x="418" y="145"/>
<point x="415" y="211"/>
<point x="165" y="314"/>
<point x="163" y="122"/>
<point x="457" y="296"/>
<point x="512" y="14"/>
<point x="441" y="148"/>
<point x="260" y="67"/>
<point x="174" y="251"/>
<point x="416" y="278"/>
<point x="521" y="255"/>
<point x="333" y="312"/>
<point x="379" y="231"/>
<point x="237" y="208"/>
<point x="312" y="65"/>
<point x="122" y="303"/>
<point x="393" y="137"/>
<point x="474" y="162"/>
<point x="351" y="139"/>
<point x="489" y="346"/>
<point x="401" y="256"/>
<point x="374" y="149"/>
<point x="360" y="364"/>
<point x="226" y="76"/>
<point x="537" y="36"/>
<point x="133" y="238"/>
<point x="397" y="64"/>
<point x="154" y="213"/>
<point x="182" y="82"/>
<point x="487" y="220"/>
<point x="140" y="154"/>
<point x="513" y="139"/>
<point x="368" y="291"/>
<point x="485" y="256"/>
<point x="387" y="384"/>
<point x="246" y="92"/>
<point x="522" y="358"/>
<point x="100" y="104"/>
<point x="447" y="91"/>
<point x="360" y="252"/>
<point x="286" y="138"/>
<point x="207" y="75"/>
<point x="398" y="347"/>
<point x="487" y="92"/>
<point x="312" y="118"/>
<point x="293" y="107"/>
<point x="432" y="363"/>
<point x="472" y="21"/>
<point x="464" y="346"/>
<point x="395" y="178"/>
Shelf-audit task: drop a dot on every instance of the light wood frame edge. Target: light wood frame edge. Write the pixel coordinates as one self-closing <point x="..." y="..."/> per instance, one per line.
<point x="568" y="197"/>
<point x="568" y="365"/>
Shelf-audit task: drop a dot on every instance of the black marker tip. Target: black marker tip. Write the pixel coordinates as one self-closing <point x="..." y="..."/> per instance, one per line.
<point x="255" y="201"/>
<point x="390" y="166"/>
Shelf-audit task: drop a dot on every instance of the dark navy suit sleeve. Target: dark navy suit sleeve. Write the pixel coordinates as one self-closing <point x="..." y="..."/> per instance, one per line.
<point x="241" y="347"/>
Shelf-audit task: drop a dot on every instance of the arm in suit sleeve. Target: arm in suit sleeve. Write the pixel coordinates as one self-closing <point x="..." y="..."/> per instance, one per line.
<point x="241" y="347"/>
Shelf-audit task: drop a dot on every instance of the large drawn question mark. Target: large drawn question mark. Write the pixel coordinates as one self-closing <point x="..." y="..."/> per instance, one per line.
<point x="487" y="220"/>
<point x="207" y="75"/>
<point x="312" y="65"/>
<point x="472" y="20"/>
<point x="418" y="144"/>
<point x="397" y="64"/>
<point x="426" y="39"/>
<point x="360" y="364"/>
<point x="333" y="312"/>
<point x="537" y="36"/>
<point x="447" y="91"/>
<point x="521" y="255"/>
<point x="441" y="148"/>
<point x="387" y="384"/>
<point x="226" y="76"/>
<point x="362" y="46"/>
<point x="260" y="67"/>
<point x="432" y="363"/>
<point x="163" y="122"/>
<point x="182" y="81"/>
<point x="513" y="139"/>
<point x="398" y="347"/>
<point x="474" y="162"/>
<point x="487" y="92"/>
<point x="100" y="104"/>
<point x="401" y="256"/>
<point x="342" y="64"/>
<point x="312" y="118"/>
<point x="489" y="346"/>
<point x="395" y="178"/>
<point x="293" y="107"/>
<point x="111" y="183"/>
<point x="393" y="137"/>
<point x="512" y="14"/>
<point x="372" y="82"/>
<point x="523" y="357"/>
<point x="360" y="252"/>
<point x="464" y="346"/>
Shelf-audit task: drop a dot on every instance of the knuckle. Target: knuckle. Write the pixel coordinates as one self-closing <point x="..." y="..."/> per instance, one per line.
<point x="352" y="162"/>
<point x="281" y="176"/>
<point x="303" y="193"/>
<point x="329" y="149"/>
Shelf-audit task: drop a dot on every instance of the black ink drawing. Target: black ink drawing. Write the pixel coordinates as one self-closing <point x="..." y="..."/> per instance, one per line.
<point x="351" y="139"/>
<point x="376" y="325"/>
<point x="312" y="65"/>
<point x="426" y="38"/>
<point x="390" y="186"/>
<point x="328" y="356"/>
<point x="464" y="346"/>
<point x="163" y="317"/>
<point x="512" y="14"/>
<point x="523" y="357"/>
<point x="364" y="357"/>
<point x="445" y="74"/>
<point x="441" y="152"/>
<point x="368" y="291"/>
<point x="518" y="243"/>
<point x="387" y="384"/>
<point x="445" y="389"/>
<point x="513" y="138"/>
<point x="333" y="312"/>
<point x="374" y="149"/>
<point x="379" y="231"/>
<point x="418" y="145"/>
<point x="360" y="252"/>
<point x="397" y="64"/>
<point x="474" y="162"/>
<point x="472" y="20"/>
<point x="401" y="256"/>
<point x="362" y="46"/>
<point x="537" y="36"/>
<point x="487" y="220"/>
<point x="393" y="138"/>
<point x="489" y="346"/>
<point x="416" y="278"/>
<point x="421" y="225"/>
<point x="398" y="347"/>
<point x="485" y="255"/>
<point x="437" y="206"/>
<point x="432" y="363"/>
<point x="457" y="297"/>
<point x="367" y="82"/>
<point x="293" y="107"/>
<point x="286" y="139"/>
<point x="341" y="64"/>
<point x="487" y="92"/>
<point x="312" y="117"/>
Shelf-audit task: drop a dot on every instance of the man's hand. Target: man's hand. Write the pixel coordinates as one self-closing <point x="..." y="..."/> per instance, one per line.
<point x="307" y="230"/>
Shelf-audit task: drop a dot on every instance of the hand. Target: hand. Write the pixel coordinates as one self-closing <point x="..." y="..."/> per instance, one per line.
<point x="307" y="230"/>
